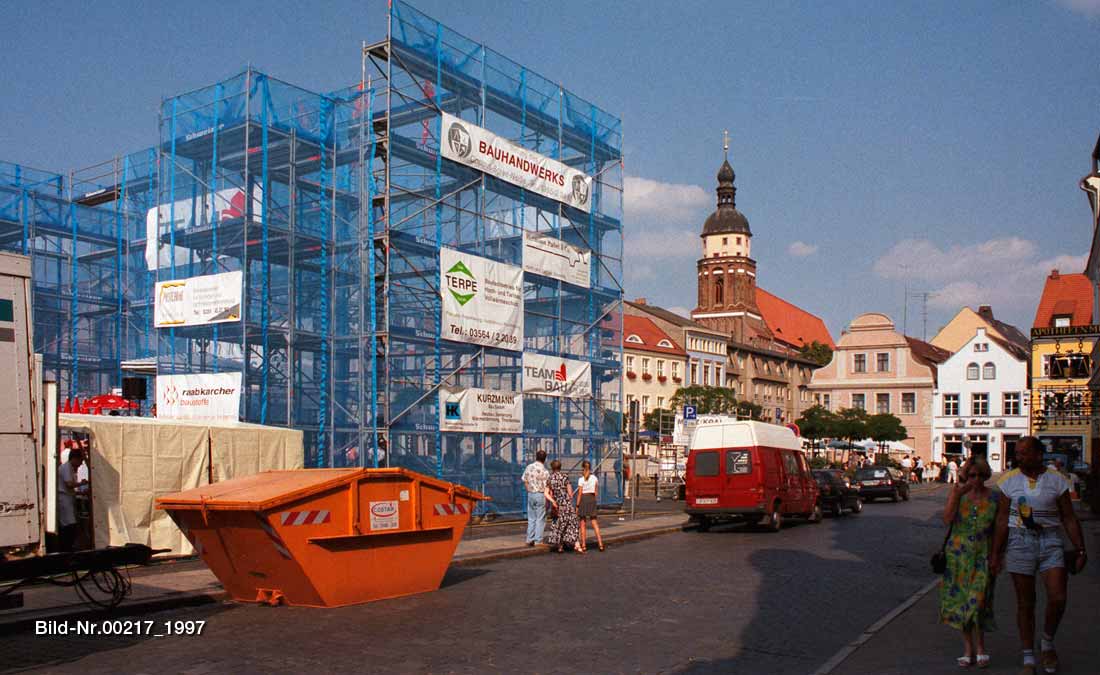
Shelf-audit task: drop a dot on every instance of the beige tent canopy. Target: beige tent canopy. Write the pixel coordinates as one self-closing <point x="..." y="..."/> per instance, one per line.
<point x="137" y="459"/>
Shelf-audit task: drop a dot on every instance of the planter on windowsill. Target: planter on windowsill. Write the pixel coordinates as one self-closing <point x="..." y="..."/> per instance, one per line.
<point x="631" y="374"/>
<point x="662" y="379"/>
<point x="647" y="377"/>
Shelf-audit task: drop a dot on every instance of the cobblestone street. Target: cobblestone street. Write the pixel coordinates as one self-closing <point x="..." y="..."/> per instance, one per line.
<point x="729" y="600"/>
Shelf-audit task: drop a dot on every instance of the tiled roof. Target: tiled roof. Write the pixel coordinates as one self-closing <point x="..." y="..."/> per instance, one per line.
<point x="650" y="335"/>
<point x="1065" y="294"/>
<point x="792" y="324"/>
<point x="1020" y="352"/>
<point x="929" y="355"/>
<point x="671" y="317"/>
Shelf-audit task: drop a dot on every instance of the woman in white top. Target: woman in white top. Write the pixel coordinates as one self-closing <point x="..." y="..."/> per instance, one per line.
<point x="586" y="503"/>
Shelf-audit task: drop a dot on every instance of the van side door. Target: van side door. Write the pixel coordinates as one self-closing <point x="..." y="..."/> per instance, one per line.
<point x="792" y="483"/>
<point x="809" y="485"/>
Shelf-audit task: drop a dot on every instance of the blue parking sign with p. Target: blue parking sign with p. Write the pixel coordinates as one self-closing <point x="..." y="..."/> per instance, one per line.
<point x="689" y="412"/>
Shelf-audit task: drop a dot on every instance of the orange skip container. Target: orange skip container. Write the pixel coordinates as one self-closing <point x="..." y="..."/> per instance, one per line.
<point x="325" y="537"/>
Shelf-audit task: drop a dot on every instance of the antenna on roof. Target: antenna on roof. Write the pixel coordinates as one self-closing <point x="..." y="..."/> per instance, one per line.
<point x="726" y="143"/>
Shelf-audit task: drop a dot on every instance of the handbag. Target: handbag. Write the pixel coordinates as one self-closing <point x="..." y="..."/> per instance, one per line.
<point x="939" y="558"/>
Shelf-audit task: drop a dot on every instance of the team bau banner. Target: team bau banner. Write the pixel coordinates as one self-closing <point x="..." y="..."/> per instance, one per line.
<point x="202" y="396"/>
<point x="483" y="150"/>
<point x="481" y="411"/>
<point x="555" y="376"/>
<point x="197" y="301"/>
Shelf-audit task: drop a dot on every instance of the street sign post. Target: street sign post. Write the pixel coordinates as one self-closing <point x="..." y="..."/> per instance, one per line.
<point x="689" y="412"/>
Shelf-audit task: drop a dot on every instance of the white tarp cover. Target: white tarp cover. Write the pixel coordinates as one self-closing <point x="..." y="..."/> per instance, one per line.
<point x="197" y="301"/>
<point x="481" y="149"/>
<point x="552" y="257"/>
<point x="482" y="300"/>
<point x="137" y="459"/>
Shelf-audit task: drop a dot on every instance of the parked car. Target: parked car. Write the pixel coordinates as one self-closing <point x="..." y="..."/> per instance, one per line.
<point x="836" y="492"/>
<point x="748" y="471"/>
<point x="881" y="482"/>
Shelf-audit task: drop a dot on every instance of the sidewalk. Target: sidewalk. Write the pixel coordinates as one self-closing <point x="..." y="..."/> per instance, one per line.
<point x="189" y="582"/>
<point x="915" y="642"/>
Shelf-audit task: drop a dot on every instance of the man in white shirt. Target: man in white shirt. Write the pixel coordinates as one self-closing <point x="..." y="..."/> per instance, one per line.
<point x="68" y="483"/>
<point x="534" y="479"/>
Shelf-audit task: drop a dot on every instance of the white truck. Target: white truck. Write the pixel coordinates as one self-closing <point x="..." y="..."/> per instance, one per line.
<point x="21" y="513"/>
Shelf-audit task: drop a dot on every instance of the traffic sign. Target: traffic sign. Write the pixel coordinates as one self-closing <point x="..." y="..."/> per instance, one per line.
<point x="689" y="412"/>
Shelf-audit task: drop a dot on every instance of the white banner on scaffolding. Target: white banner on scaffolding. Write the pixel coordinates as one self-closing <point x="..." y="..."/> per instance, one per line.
<point x="482" y="300"/>
<point x="552" y="257"/>
<point x="198" y="301"/>
<point x="202" y="396"/>
<point x="555" y="376"/>
<point x="481" y="411"/>
<point x="184" y="214"/>
<point x="469" y="144"/>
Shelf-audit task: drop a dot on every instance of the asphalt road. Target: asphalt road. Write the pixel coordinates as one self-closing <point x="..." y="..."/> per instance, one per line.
<point x="725" y="601"/>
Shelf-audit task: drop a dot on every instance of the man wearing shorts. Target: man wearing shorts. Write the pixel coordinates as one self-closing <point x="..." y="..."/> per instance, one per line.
<point x="1027" y="540"/>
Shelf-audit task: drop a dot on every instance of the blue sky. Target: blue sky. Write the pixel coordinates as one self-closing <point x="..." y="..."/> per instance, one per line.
<point x="872" y="141"/>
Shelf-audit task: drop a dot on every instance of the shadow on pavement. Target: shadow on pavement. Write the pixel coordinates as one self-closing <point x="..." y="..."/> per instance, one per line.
<point x="457" y="575"/>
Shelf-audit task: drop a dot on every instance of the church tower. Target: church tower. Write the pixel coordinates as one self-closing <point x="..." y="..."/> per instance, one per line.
<point x="727" y="272"/>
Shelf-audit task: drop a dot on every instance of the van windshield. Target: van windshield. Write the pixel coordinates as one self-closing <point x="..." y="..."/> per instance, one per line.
<point x="738" y="461"/>
<point x="706" y="463"/>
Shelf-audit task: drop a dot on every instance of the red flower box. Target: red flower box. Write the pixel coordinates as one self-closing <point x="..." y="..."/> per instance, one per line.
<point x="631" y="374"/>
<point x="647" y="377"/>
<point x="662" y="378"/>
<point x="677" y="380"/>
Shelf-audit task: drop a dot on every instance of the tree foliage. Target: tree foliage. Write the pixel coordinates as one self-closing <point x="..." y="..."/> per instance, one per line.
<point x="816" y="423"/>
<point x="715" y="401"/>
<point x="851" y="424"/>
<point x="885" y="427"/>
<point x="817" y="352"/>
<point x="659" y="420"/>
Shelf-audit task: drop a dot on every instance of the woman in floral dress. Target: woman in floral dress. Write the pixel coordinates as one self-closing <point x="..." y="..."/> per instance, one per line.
<point x="966" y="590"/>
<point x="564" y="529"/>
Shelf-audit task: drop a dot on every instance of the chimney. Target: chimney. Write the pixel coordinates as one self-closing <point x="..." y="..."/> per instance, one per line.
<point x="986" y="312"/>
<point x="1054" y="274"/>
<point x="639" y="301"/>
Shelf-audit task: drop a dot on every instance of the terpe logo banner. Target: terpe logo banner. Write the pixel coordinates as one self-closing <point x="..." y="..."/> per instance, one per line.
<point x="461" y="282"/>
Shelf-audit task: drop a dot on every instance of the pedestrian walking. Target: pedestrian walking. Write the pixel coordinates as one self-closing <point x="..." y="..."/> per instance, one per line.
<point x="1034" y="508"/>
<point x="919" y="471"/>
<point x="564" y="528"/>
<point x="952" y="472"/>
<point x="586" y="504"/>
<point x="534" y="479"/>
<point x="966" y="589"/>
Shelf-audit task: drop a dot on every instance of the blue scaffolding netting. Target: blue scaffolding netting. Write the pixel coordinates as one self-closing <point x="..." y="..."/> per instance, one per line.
<point x="334" y="208"/>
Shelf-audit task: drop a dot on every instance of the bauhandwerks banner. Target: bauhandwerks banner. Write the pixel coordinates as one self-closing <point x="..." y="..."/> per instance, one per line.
<point x="551" y="257"/>
<point x="483" y="150"/>
<point x="482" y="300"/>
<point x="481" y="410"/>
<point x="193" y="212"/>
<point x="205" y="396"/>
<point x="197" y="301"/>
<point x="555" y="376"/>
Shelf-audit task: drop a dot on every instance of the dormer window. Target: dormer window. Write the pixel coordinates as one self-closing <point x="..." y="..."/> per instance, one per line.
<point x="1062" y="321"/>
<point x="666" y="344"/>
<point x="634" y="339"/>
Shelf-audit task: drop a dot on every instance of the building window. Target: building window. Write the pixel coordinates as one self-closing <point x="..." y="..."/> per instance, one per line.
<point x="989" y="371"/>
<point x="645" y="366"/>
<point x="981" y="346"/>
<point x="952" y="444"/>
<point x="660" y="367"/>
<point x="718" y="376"/>
<point x="882" y="362"/>
<point x="950" y="405"/>
<point x="908" y="403"/>
<point x="738" y="240"/>
<point x="694" y="372"/>
<point x="859" y="401"/>
<point x="1068" y="366"/>
<point x="825" y="401"/>
<point x="660" y="401"/>
<point x="859" y="363"/>
<point x="1012" y="403"/>
<point x="706" y="374"/>
<point x="630" y="363"/>
<point x="725" y="240"/>
<point x="741" y="388"/>
<point x="979" y="405"/>
<point x="614" y="401"/>
<point x="645" y="404"/>
<point x="882" y="403"/>
<point x="718" y="292"/>
<point x="1062" y="321"/>
<point x="972" y="371"/>
<point x="675" y="370"/>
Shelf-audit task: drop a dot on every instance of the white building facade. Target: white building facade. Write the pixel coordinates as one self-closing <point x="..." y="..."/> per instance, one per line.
<point x="981" y="404"/>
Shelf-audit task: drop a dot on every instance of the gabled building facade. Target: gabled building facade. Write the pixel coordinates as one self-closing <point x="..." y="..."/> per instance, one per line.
<point x="877" y="368"/>
<point x="654" y="364"/>
<point x="981" y="403"/>
<point x="961" y="328"/>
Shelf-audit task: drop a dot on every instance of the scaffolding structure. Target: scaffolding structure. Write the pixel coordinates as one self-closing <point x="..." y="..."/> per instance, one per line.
<point x="334" y="207"/>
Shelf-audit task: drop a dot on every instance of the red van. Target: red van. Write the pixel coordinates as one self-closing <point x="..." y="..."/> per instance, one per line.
<point x="749" y="471"/>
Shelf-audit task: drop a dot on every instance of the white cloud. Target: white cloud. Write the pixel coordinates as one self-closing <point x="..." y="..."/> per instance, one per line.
<point x="1005" y="273"/>
<point x="653" y="200"/>
<point x="1086" y="7"/>
<point x="801" y="249"/>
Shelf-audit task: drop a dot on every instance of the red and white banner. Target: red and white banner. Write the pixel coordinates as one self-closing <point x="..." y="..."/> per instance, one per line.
<point x="469" y="144"/>
<point x="555" y="376"/>
<point x="202" y="396"/>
